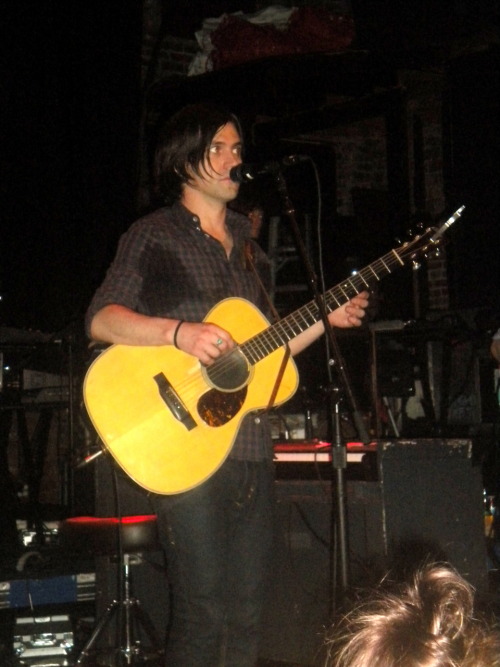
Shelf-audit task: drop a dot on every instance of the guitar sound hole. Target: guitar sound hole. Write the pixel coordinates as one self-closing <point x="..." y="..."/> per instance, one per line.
<point x="228" y="373"/>
<point x="216" y="408"/>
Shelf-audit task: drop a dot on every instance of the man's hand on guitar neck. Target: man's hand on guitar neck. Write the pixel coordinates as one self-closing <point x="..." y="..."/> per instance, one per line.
<point x="349" y="315"/>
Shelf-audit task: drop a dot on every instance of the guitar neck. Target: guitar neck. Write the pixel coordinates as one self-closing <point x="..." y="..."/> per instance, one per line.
<point x="283" y="331"/>
<point x="280" y="333"/>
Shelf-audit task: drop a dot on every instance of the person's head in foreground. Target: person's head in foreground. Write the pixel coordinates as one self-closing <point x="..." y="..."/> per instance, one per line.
<point x="429" y="622"/>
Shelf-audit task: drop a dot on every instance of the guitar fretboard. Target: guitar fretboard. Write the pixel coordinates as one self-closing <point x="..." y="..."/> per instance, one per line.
<point x="261" y="345"/>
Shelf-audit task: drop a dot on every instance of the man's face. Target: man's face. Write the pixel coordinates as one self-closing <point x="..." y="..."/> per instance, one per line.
<point x="223" y="154"/>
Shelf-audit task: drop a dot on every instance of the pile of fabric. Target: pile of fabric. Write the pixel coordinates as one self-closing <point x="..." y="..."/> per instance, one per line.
<point x="233" y="39"/>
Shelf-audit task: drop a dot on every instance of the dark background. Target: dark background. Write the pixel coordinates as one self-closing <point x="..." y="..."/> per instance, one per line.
<point x="71" y="109"/>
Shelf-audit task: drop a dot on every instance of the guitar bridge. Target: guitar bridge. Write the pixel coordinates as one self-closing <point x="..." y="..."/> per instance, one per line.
<point x="173" y="402"/>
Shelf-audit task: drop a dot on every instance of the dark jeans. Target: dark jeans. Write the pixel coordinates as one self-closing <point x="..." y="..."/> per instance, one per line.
<point x="217" y="540"/>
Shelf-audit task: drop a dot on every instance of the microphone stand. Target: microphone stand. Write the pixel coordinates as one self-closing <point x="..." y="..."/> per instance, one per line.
<point x="339" y="453"/>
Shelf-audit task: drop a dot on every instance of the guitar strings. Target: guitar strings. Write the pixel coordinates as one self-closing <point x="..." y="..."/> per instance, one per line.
<point x="277" y="335"/>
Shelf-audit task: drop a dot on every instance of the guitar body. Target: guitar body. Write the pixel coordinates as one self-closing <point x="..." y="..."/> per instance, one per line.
<point x="140" y="428"/>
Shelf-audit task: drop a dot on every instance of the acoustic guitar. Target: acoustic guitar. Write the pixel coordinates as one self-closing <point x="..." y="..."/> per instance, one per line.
<point x="170" y="422"/>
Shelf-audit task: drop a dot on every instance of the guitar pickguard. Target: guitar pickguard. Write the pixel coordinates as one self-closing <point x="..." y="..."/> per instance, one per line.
<point x="217" y="408"/>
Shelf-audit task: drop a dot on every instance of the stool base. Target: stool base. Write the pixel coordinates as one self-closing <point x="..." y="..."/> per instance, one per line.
<point x="129" y="613"/>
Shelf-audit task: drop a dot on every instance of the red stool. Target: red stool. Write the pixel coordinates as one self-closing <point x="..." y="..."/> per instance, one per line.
<point x="117" y="538"/>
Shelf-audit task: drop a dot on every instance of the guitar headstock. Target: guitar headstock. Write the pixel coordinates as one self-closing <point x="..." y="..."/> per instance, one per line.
<point x="427" y="242"/>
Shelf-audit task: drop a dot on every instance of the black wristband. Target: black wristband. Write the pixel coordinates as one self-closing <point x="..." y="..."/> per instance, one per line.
<point x="174" y="339"/>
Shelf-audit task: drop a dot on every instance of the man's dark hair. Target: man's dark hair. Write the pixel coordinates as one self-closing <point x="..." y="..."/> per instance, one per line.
<point x="183" y="144"/>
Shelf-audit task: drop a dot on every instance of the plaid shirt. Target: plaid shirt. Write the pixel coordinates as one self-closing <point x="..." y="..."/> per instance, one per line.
<point x="167" y="266"/>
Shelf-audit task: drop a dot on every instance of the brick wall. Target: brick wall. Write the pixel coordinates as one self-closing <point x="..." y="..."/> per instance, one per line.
<point x="174" y="57"/>
<point x="438" y="283"/>
<point x="174" y="53"/>
<point x="425" y="98"/>
<point x="360" y="153"/>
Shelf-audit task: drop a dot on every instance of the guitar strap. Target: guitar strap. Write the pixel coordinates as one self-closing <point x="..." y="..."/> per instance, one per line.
<point x="250" y="264"/>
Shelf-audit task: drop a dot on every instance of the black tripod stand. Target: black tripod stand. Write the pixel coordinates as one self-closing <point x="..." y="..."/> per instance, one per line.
<point x="134" y="535"/>
<point x="339" y="454"/>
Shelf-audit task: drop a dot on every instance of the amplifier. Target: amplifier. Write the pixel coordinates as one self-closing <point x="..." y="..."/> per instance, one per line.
<point x="19" y="593"/>
<point x="44" y="641"/>
<point x="32" y="538"/>
<point x="426" y="504"/>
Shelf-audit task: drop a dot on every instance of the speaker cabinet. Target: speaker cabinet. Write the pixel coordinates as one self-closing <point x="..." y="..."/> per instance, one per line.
<point x="426" y="504"/>
<point x="297" y="608"/>
<point x="432" y="499"/>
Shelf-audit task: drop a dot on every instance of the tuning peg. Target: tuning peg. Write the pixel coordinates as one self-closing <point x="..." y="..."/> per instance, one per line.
<point x="432" y="251"/>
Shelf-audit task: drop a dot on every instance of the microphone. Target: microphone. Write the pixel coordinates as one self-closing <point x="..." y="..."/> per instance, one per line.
<point x="244" y="173"/>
